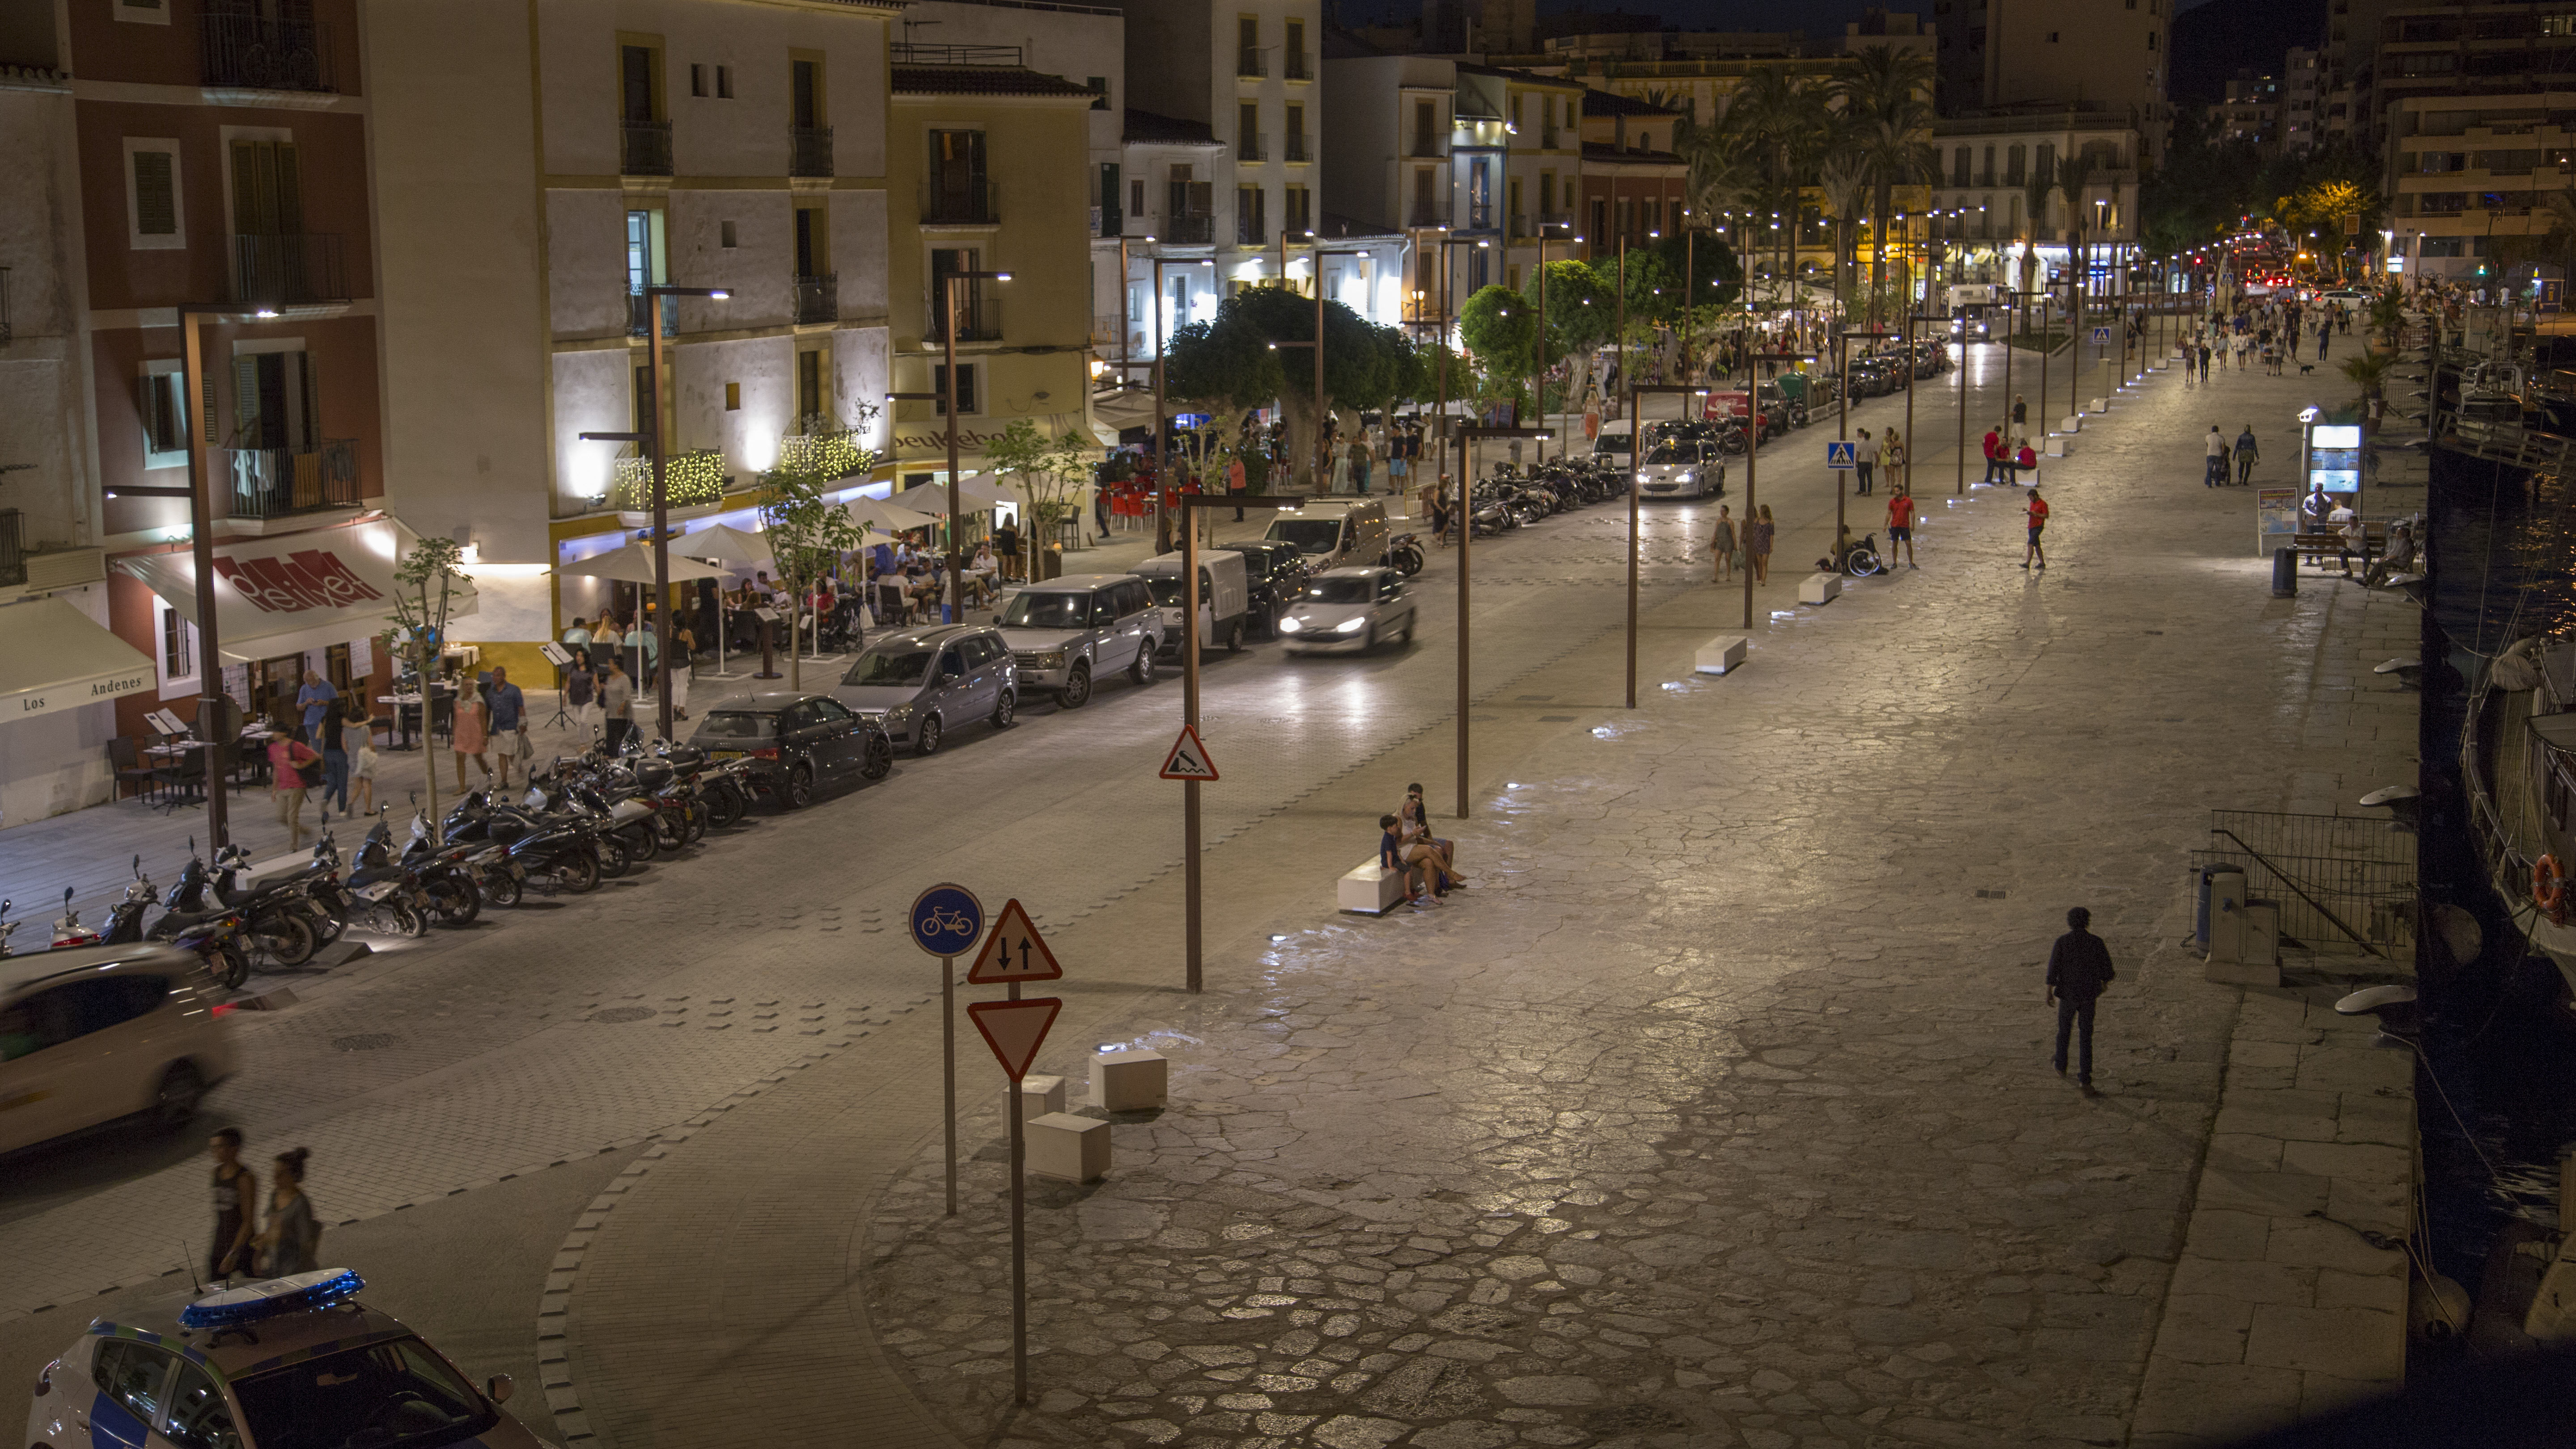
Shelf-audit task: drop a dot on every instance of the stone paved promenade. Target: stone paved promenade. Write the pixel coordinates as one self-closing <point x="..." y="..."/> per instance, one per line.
<point x="1717" y="1111"/>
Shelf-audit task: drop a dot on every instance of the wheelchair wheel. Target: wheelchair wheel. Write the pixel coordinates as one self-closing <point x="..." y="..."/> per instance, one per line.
<point x="1862" y="563"/>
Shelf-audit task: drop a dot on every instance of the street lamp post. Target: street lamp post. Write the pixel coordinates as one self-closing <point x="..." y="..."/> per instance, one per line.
<point x="956" y="604"/>
<point x="1467" y="437"/>
<point x="1753" y="450"/>
<point x="1440" y="431"/>
<point x="1637" y="457"/>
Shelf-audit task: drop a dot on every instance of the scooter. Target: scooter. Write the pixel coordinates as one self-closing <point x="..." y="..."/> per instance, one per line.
<point x="69" y="933"/>
<point x="388" y="898"/>
<point x="1404" y="552"/>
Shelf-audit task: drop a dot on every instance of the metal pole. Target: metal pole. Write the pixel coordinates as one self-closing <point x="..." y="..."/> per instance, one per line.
<point x="956" y="611"/>
<point x="1466" y="537"/>
<point x="1908" y="464"/>
<point x="1636" y="441"/>
<point x="1019" y="1242"/>
<point x="201" y="555"/>
<point x="1190" y="716"/>
<point x="1753" y="450"/>
<point x="1161" y="481"/>
<point x="948" y="1066"/>
<point x="1323" y="467"/>
<point x="661" y="512"/>
<point x="1960" y="483"/>
<point x="1538" y="353"/>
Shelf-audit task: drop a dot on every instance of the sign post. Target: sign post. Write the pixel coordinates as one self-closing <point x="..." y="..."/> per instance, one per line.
<point x="946" y="919"/>
<point x="1015" y="1029"/>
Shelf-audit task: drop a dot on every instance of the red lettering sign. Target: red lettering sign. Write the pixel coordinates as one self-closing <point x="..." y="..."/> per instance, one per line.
<point x="309" y="579"/>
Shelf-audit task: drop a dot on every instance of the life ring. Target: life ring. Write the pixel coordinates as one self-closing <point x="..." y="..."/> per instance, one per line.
<point x="2549" y="887"/>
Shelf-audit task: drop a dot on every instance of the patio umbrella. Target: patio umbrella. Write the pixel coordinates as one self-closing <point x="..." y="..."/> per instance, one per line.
<point x="933" y="498"/>
<point x="725" y="544"/>
<point x="633" y="564"/>
<point x="877" y="513"/>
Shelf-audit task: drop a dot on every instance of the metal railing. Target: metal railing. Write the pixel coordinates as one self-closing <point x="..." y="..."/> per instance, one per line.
<point x="1297" y="148"/>
<point x="1247" y="147"/>
<point x="809" y="150"/>
<point x="1250" y="232"/>
<point x="268" y="55"/>
<point x="2512" y="443"/>
<point x="912" y="53"/>
<point x="644" y="148"/>
<point x="2339" y="879"/>
<point x="288" y="269"/>
<point x="1189" y="230"/>
<point x="1426" y="147"/>
<point x="1300" y="66"/>
<point x="275" y="482"/>
<point x="979" y="318"/>
<point x="13" y="547"/>
<point x="1248" y="62"/>
<point x="1423" y="217"/>
<point x="818" y="299"/>
<point x="948" y="201"/>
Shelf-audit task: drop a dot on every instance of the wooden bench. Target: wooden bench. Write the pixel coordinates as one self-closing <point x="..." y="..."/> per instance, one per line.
<point x="2320" y="546"/>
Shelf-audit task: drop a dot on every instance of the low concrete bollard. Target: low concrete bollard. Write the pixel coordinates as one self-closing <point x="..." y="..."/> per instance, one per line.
<point x="2098" y="405"/>
<point x="2071" y="423"/>
<point x="1369" y="889"/>
<point x="1129" y="1081"/>
<point x="1040" y="1096"/>
<point x="1718" y="656"/>
<point x="1819" y="588"/>
<point x="1068" y="1148"/>
<point x="2055" y="447"/>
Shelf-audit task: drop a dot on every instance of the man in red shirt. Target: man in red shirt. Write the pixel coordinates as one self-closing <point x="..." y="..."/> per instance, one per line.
<point x="1900" y="526"/>
<point x="1994" y="452"/>
<point x="2038" y="510"/>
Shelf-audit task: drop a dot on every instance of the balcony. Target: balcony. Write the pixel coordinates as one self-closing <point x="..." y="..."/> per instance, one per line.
<point x="1247" y="147"/>
<point x="1301" y="66"/>
<point x="13" y="548"/>
<point x="276" y="482"/>
<point x="1188" y="230"/>
<point x="293" y="269"/>
<point x="644" y="148"/>
<point x="266" y="55"/>
<point x="959" y="201"/>
<point x="1300" y="148"/>
<point x="1426" y="147"/>
<point x="818" y="299"/>
<point x="1424" y="218"/>
<point x="1249" y="231"/>
<point x="809" y="150"/>
<point x="979" y="319"/>
<point x="1248" y="62"/>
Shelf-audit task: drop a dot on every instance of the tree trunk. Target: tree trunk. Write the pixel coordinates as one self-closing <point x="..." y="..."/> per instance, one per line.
<point x="1303" y="421"/>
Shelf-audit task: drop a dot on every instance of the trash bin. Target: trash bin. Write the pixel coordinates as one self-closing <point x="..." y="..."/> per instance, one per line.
<point x="2285" y="573"/>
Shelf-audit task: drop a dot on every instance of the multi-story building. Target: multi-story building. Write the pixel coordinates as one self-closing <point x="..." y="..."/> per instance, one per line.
<point x="1634" y="186"/>
<point x="683" y="142"/>
<point x="1979" y="203"/>
<point x="1541" y="153"/>
<point x="1388" y="166"/>
<point x="2472" y="101"/>
<point x="2303" y="101"/>
<point x="1252" y="75"/>
<point x="2038" y="55"/>
<point x="2251" y="113"/>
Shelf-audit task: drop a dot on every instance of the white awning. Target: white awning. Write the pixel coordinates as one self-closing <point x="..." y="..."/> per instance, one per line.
<point x="59" y="658"/>
<point x="294" y="592"/>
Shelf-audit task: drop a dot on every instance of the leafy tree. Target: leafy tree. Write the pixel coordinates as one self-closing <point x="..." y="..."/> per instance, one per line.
<point x="808" y="532"/>
<point x="1231" y="365"/>
<point x="1582" y="311"/>
<point x="1502" y="331"/>
<point x="1050" y="472"/>
<point x="424" y="593"/>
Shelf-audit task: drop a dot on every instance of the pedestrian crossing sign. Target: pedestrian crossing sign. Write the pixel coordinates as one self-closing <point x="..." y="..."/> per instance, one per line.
<point x="2101" y="334"/>
<point x="1838" y="455"/>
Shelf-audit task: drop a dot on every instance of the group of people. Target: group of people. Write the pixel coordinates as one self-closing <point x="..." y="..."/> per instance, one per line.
<point x="243" y="1246"/>
<point x="326" y="743"/>
<point x="2008" y="459"/>
<point x="2267" y="333"/>
<point x="1743" y="544"/>
<point x="1428" y="863"/>
<point x="2245" y="451"/>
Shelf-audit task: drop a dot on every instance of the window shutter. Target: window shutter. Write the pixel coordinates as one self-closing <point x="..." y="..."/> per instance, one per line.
<point x="246" y="400"/>
<point x="311" y="388"/>
<point x="156" y="205"/>
<point x="290" y="189"/>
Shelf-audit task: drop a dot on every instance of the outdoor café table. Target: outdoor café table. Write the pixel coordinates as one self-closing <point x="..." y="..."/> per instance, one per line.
<point x="403" y="705"/>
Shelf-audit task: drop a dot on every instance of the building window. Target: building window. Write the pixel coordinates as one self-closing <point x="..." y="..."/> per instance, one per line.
<point x="1300" y="218"/>
<point x="965" y="388"/>
<point x="1247" y="45"/>
<point x="1426" y="197"/>
<point x="725" y="233"/>
<point x="733" y="397"/>
<point x="724" y="82"/>
<point x="1247" y="131"/>
<point x="178" y="645"/>
<point x="1251" y="225"/>
<point x="1100" y="92"/>
<point x="697" y="80"/>
<point x="143" y="12"/>
<point x="946" y="262"/>
<point x="809" y="385"/>
<point x="154" y="218"/>
<point x="164" y="409"/>
<point x="1295" y="65"/>
<point x="1136" y="198"/>
<point x="1296" y="138"/>
<point x="1426" y="128"/>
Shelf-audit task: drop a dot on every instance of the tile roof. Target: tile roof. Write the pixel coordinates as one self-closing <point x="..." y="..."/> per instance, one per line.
<point x="981" y="80"/>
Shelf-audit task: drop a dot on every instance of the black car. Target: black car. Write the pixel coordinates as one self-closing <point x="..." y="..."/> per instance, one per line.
<point x="799" y="745"/>
<point x="1274" y="574"/>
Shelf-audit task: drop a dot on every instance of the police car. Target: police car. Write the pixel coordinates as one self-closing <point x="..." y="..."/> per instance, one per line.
<point x="289" y="1363"/>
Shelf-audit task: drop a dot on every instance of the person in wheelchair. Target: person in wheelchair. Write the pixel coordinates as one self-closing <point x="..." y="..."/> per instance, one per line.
<point x="1855" y="556"/>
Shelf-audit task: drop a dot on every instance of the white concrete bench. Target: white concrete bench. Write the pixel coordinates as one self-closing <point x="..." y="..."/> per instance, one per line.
<point x="1068" y="1148"/>
<point x="1370" y="890"/>
<point x="2055" y="447"/>
<point x="1130" y="1081"/>
<point x="2098" y="405"/>
<point x="1819" y="588"/>
<point x="1718" y="656"/>
<point x="2071" y="423"/>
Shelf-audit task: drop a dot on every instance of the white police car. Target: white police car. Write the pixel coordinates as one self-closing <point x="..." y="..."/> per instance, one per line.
<point x="289" y="1363"/>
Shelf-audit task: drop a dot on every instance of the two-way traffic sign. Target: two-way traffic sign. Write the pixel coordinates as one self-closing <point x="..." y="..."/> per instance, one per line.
<point x="1015" y="952"/>
<point x="1838" y="456"/>
<point x="1188" y="759"/>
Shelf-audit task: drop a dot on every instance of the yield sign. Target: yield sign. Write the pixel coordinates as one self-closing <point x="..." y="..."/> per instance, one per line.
<point x="1014" y="1029"/>
<point x="1188" y="759"/>
<point x="1014" y="952"/>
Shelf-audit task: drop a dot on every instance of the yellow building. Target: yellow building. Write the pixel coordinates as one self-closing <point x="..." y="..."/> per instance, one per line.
<point x="990" y="160"/>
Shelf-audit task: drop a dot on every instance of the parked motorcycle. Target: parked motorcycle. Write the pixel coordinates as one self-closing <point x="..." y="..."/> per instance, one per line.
<point x="1404" y="552"/>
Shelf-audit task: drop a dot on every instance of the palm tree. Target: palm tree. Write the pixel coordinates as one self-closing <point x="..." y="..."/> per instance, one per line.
<point x="1722" y="175"/>
<point x="2370" y="372"/>
<point x="1844" y="180"/>
<point x="2034" y="199"/>
<point x="1886" y="100"/>
<point x="2074" y="178"/>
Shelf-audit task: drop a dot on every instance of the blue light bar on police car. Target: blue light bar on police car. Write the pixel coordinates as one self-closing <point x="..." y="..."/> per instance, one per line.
<point x="302" y="1293"/>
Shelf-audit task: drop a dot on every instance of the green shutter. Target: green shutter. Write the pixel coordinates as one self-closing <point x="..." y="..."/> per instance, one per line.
<point x="156" y="196"/>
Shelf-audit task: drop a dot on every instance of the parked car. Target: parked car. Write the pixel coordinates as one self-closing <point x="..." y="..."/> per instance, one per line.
<point x="1681" y="468"/>
<point x="94" y="1033"/>
<point x="1064" y="632"/>
<point x="1349" y="608"/>
<point x="798" y="745"/>
<point x="1335" y="531"/>
<point x="1617" y="441"/>
<point x="1222" y="597"/>
<point x="277" y="1363"/>
<point x="918" y="684"/>
<point x="1274" y="574"/>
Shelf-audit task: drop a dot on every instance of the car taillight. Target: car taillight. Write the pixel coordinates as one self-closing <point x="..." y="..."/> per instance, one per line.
<point x="226" y="1008"/>
<point x="768" y="754"/>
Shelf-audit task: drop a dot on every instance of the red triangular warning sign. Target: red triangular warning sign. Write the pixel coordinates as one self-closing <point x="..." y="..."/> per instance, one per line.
<point x="1015" y="1029"/>
<point x="1188" y="759"/>
<point x="1014" y="952"/>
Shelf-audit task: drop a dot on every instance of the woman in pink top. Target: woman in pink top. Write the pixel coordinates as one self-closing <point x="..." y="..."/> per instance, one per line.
<point x="468" y="732"/>
<point x="288" y="758"/>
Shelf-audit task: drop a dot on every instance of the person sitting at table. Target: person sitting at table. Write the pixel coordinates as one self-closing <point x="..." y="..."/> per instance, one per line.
<point x="605" y="640"/>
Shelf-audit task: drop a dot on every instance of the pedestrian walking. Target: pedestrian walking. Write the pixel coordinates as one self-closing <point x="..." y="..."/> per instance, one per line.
<point x="2246" y="454"/>
<point x="1864" y="464"/>
<point x="1360" y="463"/>
<point x="581" y="688"/>
<point x="292" y="1241"/>
<point x="335" y="759"/>
<point x="2204" y="359"/>
<point x="314" y="700"/>
<point x="1759" y="532"/>
<point x="1891" y="459"/>
<point x="2325" y="334"/>
<point x="293" y="768"/>
<point x="2037" y="509"/>
<point x="1723" y="542"/>
<point x="469" y="731"/>
<point x="509" y="707"/>
<point x="2214" y="471"/>
<point x="2021" y="414"/>
<point x="617" y="705"/>
<point x="362" y="772"/>
<point x="1994" y="445"/>
<point x="1900" y="526"/>
<point x="236" y="1208"/>
<point x="2079" y="966"/>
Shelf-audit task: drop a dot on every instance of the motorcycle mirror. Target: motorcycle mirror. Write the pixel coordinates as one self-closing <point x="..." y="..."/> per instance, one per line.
<point x="138" y="867"/>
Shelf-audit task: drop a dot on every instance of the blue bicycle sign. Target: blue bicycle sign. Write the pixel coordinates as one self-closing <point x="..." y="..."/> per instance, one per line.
<point x="947" y="920"/>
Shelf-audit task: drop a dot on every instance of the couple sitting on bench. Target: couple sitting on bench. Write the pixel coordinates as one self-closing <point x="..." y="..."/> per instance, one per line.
<point x="1407" y="846"/>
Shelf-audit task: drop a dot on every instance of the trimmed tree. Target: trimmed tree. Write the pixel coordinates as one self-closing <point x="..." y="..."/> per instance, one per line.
<point x="424" y="592"/>
<point x="808" y="533"/>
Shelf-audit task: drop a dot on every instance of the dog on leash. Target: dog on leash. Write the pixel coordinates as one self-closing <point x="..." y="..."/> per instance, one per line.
<point x="2306" y="367"/>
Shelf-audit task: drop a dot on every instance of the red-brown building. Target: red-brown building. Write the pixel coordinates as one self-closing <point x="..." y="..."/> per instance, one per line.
<point x="1633" y="184"/>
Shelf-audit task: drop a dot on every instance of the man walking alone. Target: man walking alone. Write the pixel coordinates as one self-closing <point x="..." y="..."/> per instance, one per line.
<point x="2214" y="471"/>
<point x="1864" y="462"/>
<point x="2079" y="966"/>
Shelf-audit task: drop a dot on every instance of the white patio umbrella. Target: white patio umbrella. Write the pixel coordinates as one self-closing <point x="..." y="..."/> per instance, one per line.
<point x="895" y="518"/>
<point x="633" y="564"/>
<point x="725" y="544"/>
<point x="933" y="498"/>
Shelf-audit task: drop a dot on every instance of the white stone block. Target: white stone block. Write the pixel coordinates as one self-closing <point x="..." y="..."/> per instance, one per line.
<point x="1068" y="1148"/>
<point x="1819" y="588"/>
<point x="1129" y="1081"/>
<point x="1370" y="890"/>
<point x="2056" y="447"/>
<point x="2098" y="405"/>
<point x="1720" y="656"/>
<point x="1040" y="1096"/>
<point x="2071" y="423"/>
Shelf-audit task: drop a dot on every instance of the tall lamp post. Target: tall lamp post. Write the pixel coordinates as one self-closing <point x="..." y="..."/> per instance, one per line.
<point x="1468" y="437"/>
<point x="1161" y="482"/>
<point x="1440" y="433"/>
<point x="1322" y="471"/>
<point x="648" y="435"/>
<point x="1637" y="458"/>
<point x="1753" y="450"/>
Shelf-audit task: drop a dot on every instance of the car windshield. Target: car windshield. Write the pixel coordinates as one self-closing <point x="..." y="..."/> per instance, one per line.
<point x="1166" y="587"/>
<point x="736" y="724"/>
<point x="1673" y="453"/>
<point x="1056" y="610"/>
<point x="1311" y="535"/>
<point x="1611" y="443"/>
<point x="391" y="1395"/>
<point x="888" y="668"/>
<point x="1340" y="591"/>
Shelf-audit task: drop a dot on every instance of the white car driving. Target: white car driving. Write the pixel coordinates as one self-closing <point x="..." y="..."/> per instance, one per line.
<point x="1679" y="467"/>
<point x="1348" y="609"/>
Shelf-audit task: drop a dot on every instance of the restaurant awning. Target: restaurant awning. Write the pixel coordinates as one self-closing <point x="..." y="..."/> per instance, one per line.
<point x="59" y="658"/>
<point x="294" y="592"/>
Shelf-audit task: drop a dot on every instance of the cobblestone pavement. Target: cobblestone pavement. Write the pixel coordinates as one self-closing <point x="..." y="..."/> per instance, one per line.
<point x="1716" y="1111"/>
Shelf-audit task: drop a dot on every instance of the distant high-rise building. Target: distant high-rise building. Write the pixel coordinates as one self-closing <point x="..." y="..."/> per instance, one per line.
<point x="2303" y="100"/>
<point x="2104" y="57"/>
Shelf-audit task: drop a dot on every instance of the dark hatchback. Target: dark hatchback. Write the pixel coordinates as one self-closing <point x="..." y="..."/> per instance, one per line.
<point x="1274" y="574"/>
<point x="799" y="745"/>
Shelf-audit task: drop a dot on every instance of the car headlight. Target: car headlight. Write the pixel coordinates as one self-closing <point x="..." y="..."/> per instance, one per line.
<point x="1684" y="476"/>
<point x="896" y="717"/>
<point x="1350" y="626"/>
<point x="1052" y="659"/>
<point x="1642" y="478"/>
<point x="1291" y="624"/>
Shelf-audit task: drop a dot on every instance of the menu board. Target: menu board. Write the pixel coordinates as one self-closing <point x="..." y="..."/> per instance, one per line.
<point x="2276" y="518"/>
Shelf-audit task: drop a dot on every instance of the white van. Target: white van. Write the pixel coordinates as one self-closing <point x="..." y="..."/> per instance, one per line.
<point x="1222" y="597"/>
<point x="1334" y="531"/>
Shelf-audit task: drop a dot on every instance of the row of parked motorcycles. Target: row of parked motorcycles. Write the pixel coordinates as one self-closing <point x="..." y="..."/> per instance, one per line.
<point x="590" y="818"/>
<point x="1514" y="497"/>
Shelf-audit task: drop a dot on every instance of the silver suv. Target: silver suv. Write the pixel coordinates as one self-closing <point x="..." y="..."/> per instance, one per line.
<point x="921" y="683"/>
<point x="1065" y="631"/>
